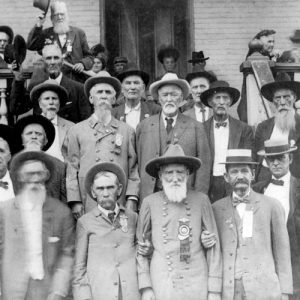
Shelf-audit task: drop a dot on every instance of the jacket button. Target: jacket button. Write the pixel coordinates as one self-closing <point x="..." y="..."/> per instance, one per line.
<point x="115" y="283"/>
<point x="231" y="254"/>
<point x="117" y="245"/>
<point x="111" y="159"/>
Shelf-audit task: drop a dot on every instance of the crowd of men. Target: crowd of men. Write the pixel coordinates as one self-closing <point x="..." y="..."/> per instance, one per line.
<point x="106" y="193"/>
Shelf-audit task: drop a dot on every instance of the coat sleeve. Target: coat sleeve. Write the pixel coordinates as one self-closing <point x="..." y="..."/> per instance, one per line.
<point x="213" y="254"/>
<point x="281" y="248"/>
<point x="258" y="141"/>
<point x="248" y="139"/>
<point x="73" y="165"/>
<point x="36" y="39"/>
<point x="64" y="267"/>
<point x="87" y="60"/>
<point x="144" y="232"/>
<point x="81" y="285"/>
<point x="202" y="180"/>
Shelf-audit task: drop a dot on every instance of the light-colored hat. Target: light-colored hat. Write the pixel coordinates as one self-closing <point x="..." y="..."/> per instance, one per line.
<point x="174" y="154"/>
<point x="239" y="156"/>
<point x="167" y="79"/>
<point x="276" y="147"/>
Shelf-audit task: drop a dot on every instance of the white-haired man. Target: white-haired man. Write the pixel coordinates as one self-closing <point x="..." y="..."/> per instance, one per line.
<point x="71" y="40"/>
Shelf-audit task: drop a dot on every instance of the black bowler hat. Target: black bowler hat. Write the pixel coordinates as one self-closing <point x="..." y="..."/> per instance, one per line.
<point x="132" y="69"/>
<point x="198" y="57"/>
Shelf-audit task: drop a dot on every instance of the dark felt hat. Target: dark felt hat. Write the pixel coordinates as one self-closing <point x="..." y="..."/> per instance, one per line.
<point x="218" y="87"/>
<point x="239" y="156"/>
<point x="120" y="59"/>
<point x="198" y="57"/>
<point x="8" y="31"/>
<point x="37" y="119"/>
<point x="7" y="134"/>
<point x="132" y="69"/>
<point x="42" y="5"/>
<point x="208" y="75"/>
<point x="49" y="85"/>
<point x="167" y="51"/>
<point x="276" y="147"/>
<point x="282" y="81"/>
<point x="102" y="77"/>
<point x="104" y="167"/>
<point x="15" y="51"/>
<point x="174" y="154"/>
<point x="296" y="37"/>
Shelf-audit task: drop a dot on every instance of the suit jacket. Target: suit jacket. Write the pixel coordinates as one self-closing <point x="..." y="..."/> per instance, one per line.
<point x="192" y="114"/>
<point x="38" y="37"/>
<point x="58" y="250"/>
<point x="293" y="225"/>
<point x="63" y="126"/>
<point x="189" y="134"/>
<point x="88" y="144"/>
<point x="103" y="276"/>
<point x="171" y="278"/>
<point x="240" y="135"/>
<point x="264" y="131"/>
<point x="266" y="264"/>
<point x="147" y="109"/>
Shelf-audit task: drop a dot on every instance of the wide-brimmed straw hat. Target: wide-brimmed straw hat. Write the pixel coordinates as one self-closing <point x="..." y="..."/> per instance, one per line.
<point x="104" y="167"/>
<point x="276" y="147"/>
<point x="239" y="156"/>
<point x="174" y="154"/>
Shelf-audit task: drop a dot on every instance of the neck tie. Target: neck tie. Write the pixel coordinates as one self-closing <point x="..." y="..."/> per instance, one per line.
<point x="221" y="124"/>
<point x="4" y="184"/>
<point x="277" y="182"/>
<point x="169" y="124"/>
<point x="237" y="200"/>
<point x="111" y="216"/>
<point x="203" y="114"/>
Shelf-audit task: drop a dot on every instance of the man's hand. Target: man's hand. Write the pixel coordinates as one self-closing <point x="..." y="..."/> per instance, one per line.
<point x="214" y="296"/>
<point x="208" y="239"/>
<point x="40" y="20"/>
<point x="131" y="205"/>
<point x="145" y="248"/>
<point x="147" y="294"/>
<point x="78" y="68"/>
<point x="77" y="210"/>
<point x="284" y="297"/>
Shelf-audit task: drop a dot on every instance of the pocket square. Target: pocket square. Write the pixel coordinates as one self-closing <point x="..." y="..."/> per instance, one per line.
<point x="53" y="239"/>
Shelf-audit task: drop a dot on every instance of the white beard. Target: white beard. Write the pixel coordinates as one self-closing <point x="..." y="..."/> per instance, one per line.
<point x="33" y="196"/>
<point x="175" y="193"/>
<point x="285" y="120"/>
<point x="61" y="28"/>
<point x="50" y="114"/>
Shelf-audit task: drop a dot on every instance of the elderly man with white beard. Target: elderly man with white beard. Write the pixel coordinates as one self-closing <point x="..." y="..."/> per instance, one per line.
<point x="173" y="220"/>
<point x="70" y="39"/>
<point x="284" y="125"/>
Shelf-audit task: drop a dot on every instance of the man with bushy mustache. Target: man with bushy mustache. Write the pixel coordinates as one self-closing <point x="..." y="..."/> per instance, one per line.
<point x="71" y="40"/>
<point x="173" y="220"/>
<point x="284" y="125"/>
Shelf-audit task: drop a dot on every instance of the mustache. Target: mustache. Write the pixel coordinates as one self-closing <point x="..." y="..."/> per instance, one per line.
<point x="241" y="180"/>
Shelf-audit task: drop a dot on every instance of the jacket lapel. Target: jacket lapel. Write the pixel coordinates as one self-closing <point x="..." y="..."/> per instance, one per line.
<point x="179" y="127"/>
<point x="234" y="133"/>
<point x="62" y="131"/>
<point x="70" y="37"/>
<point x="144" y="110"/>
<point x="228" y="215"/>
<point x="156" y="131"/>
<point x="294" y="195"/>
<point x="211" y="136"/>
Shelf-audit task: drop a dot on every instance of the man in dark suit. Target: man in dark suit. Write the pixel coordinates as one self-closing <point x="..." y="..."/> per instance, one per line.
<point x="171" y="127"/>
<point x="71" y="40"/>
<point x="286" y="188"/>
<point x="285" y="124"/>
<point x="135" y="108"/>
<point x="223" y="132"/>
<point x="37" y="234"/>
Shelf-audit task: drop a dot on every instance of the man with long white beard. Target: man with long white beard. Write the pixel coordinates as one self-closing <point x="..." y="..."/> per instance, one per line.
<point x="284" y="125"/>
<point x="37" y="234"/>
<point x="173" y="220"/>
<point x="71" y="40"/>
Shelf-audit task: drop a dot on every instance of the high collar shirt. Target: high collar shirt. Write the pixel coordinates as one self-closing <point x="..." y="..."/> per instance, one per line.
<point x="106" y="211"/>
<point x="133" y="115"/>
<point x="199" y="115"/>
<point x="6" y="194"/>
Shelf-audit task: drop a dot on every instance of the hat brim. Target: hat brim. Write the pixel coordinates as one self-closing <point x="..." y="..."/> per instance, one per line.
<point x="114" y="82"/>
<point x="145" y="77"/>
<point x="104" y="167"/>
<point x="43" y="87"/>
<point x="182" y="83"/>
<point x="233" y="92"/>
<point x="210" y="77"/>
<point x="197" y="60"/>
<point x="263" y="152"/>
<point x="8" y="31"/>
<point x="153" y="166"/>
<point x="37" y="119"/>
<point x="269" y="89"/>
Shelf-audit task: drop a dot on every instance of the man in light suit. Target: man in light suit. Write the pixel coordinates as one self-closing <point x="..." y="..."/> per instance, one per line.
<point x="173" y="220"/>
<point x="286" y="188"/>
<point x="49" y="96"/>
<point x="253" y="237"/>
<point x="223" y="132"/>
<point x="136" y="108"/>
<point x="170" y="126"/>
<point x="37" y="234"/>
<point x="109" y="230"/>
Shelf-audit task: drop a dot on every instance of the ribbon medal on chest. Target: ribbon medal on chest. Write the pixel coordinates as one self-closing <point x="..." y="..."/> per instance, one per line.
<point x="124" y="222"/>
<point x="184" y="233"/>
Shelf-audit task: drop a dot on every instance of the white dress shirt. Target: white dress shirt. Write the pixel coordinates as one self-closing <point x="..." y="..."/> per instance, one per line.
<point x="165" y="122"/>
<point x="6" y="194"/>
<point x="55" y="149"/>
<point x="199" y="115"/>
<point x="281" y="193"/>
<point x="58" y="78"/>
<point x="221" y="138"/>
<point x="133" y="115"/>
<point x="62" y="38"/>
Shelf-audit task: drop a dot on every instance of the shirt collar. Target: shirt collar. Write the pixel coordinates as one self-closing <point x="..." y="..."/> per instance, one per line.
<point x="58" y="78"/>
<point x="164" y="117"/>
<point x="198" y="108"/>
<point x="226" y="121"/>
<point x="245" y="196"/>
<point x="129" y="109"/>
<point x="106" y="211"/>
<point x="286" y="178"/>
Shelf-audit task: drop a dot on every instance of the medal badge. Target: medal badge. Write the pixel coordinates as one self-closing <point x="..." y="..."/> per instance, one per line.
<point x="119" y="140"/>
<point x="124" y="223"/>
<point x="184" y="232"/>
<point x="183" y="229"/>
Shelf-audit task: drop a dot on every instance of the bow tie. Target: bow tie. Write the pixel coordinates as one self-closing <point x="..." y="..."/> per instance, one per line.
<point x="4" y="184"/>
<point x="221" y="124"/>
<point x="277" y="182"/>
<point x="237" y="200"/>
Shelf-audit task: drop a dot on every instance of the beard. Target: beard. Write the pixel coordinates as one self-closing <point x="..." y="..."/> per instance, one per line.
<point x="50" y="114"/>
<point x="61" y="27"/>
<point x="33" y="146"/>
<point x="33" y="194"/>
<point x="175" y="192"/>
<point x="285" y="120"/>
